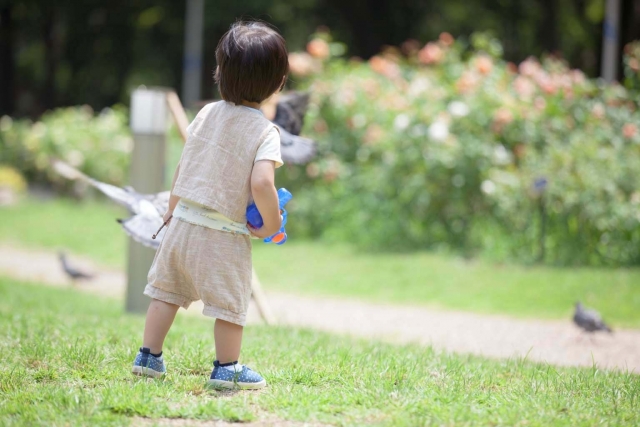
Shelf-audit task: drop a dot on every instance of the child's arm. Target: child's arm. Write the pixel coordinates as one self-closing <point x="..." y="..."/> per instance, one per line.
<point x="173" y="200"/>
<point x="265" y="197"/>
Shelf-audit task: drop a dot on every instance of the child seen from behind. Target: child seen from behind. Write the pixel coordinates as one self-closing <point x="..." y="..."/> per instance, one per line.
<point x="228" y="161"/>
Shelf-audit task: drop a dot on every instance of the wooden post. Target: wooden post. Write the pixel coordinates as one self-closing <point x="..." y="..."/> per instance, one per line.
<point x="261" y="300"/>
<point x="149" y="119"/>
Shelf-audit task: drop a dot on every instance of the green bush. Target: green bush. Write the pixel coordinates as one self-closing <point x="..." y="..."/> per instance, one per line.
<point x="447" y="145"/>
<point x="98" y="145"/>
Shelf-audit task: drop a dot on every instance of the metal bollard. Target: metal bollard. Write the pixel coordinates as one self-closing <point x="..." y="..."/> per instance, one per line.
<point x="149" y="123"/>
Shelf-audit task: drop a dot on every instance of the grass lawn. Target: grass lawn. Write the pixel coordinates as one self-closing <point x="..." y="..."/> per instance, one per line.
<point x="65" y="360"/>
<point x="314" y="268"/>
<point x="88" y="228"/>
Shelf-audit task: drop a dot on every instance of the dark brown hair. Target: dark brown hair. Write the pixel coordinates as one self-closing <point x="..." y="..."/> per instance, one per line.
<point x="252" y="62"/>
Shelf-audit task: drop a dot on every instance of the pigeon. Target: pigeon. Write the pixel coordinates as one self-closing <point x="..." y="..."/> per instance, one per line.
<point x="289" y="118"/>
<point x="73" y="273"/>
<point x="589" y="320"/>
<point x="146" y="210"/>
<point x="290" y="111"/>
<point x="296" y="149"/>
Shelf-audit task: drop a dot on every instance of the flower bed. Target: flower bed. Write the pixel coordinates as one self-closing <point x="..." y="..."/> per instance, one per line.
<point x="447" y="145"/>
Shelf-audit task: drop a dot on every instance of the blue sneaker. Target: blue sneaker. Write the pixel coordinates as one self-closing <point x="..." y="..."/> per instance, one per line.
<point x="244" y="378"/>
<point x="148" y="365"/>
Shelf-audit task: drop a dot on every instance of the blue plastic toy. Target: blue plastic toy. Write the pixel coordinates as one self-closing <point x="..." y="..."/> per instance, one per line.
<point x="255" y="219"/>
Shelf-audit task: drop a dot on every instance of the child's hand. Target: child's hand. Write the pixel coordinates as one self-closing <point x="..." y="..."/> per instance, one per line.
<point x="167" y="217"/>
<point x="258" y="232"/>
<point x="262" y="232"/>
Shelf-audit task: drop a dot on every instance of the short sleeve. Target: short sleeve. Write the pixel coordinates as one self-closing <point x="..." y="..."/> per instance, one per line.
<point x="200" y="116"/>
<point x="270" y="148"/>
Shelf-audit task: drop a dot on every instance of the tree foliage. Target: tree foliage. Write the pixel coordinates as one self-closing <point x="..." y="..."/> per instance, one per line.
<point x="93" y="51"/>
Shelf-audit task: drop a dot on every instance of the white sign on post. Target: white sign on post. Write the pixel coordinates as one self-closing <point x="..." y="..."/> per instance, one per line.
<point x="149" y="112"/>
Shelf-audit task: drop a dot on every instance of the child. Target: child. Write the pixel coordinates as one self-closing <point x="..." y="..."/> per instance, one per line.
<point x="229" y="159"/>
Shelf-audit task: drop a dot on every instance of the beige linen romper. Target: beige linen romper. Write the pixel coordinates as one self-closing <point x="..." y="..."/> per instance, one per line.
<point x="199" y="263"/>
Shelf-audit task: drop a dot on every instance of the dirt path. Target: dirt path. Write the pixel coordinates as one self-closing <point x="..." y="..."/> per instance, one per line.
<point x="554" y="342"/>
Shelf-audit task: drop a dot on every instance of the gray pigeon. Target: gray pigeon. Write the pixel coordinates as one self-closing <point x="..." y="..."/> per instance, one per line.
<point x="146" y="209"/>
<point x="290" y="112"/>
<point x="589" y="320"/>
<point x="73" y="273"/>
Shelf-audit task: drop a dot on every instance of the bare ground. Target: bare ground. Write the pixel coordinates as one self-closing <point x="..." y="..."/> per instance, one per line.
<point x="554" y="342"/>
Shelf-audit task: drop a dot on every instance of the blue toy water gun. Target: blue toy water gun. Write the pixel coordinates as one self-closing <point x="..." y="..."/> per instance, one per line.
<point x="255" y="219"/>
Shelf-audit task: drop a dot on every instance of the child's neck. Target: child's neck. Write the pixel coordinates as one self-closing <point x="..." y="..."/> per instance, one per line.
<point x="255" y="105"/>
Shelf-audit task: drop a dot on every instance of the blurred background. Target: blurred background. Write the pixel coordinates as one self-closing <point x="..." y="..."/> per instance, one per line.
<point x="480" y="127"/>
<point x="93" y="52"/>
<point x="473" y="158"/>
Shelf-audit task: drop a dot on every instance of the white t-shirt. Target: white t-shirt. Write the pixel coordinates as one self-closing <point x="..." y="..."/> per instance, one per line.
<point x="270" y="148"/>
<point x="195" y="213"/>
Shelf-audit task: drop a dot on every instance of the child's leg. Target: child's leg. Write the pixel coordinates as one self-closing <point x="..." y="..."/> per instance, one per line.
<point x="160" y="316"/>
<point x="227" y="373"/>
<point x="228" y="338"/>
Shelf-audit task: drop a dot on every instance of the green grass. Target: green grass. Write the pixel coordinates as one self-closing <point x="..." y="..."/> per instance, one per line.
<point x="65" y="360"/>
<point x="84" y="228"/>
<point x="449" y="282"/>
<point x="315" y="268"/>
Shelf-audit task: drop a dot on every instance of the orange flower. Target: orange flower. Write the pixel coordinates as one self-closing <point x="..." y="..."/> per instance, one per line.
<point x="484" y="64"/>
<point x="530" y="67"/>
<point x="384" y="66"/>
<point x="432" y="53"/>
<point x="547" y="86"/>
<point x="578" y="77"/>
<point x="629" y="130"/>
<point x="318" y="48"/>
<point x="467" y="82"/>
<point x="303" y="64"/>
<point x="634" y="64"/>
<point x="446" y="39"/>
<point x="501" y="118"/>
<point x="524" y="87"/>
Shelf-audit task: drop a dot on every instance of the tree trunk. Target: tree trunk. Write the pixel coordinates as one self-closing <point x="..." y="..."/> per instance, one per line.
<point x="548" y="29"/>
<point x="7" y="86"/>
<point x="630" y="25"/>
<point x="629" y="29"/>
<point x="50" y="60"/>
<point x="366" y="36"/>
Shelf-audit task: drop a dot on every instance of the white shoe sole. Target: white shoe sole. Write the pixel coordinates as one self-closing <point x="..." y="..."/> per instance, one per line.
<point x="142" y="371"/>
<point x="232" y="385"/>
